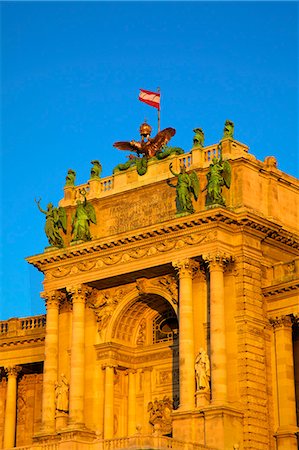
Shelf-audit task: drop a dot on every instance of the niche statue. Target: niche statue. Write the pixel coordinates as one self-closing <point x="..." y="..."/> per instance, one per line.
<point x="55" y="220"/>
<point x="84" y="214"/>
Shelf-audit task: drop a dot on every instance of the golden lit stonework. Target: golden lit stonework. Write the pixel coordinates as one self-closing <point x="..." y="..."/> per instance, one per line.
<point x="168" y="325"/>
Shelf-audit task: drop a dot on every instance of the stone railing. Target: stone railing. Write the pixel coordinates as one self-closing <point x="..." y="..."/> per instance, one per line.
<point x="135" y="442"/>
<point x="197" y="158"/>
<point x="282" y="272"/>
<point x="21" y="327"/>
<point x="148" y="442"/>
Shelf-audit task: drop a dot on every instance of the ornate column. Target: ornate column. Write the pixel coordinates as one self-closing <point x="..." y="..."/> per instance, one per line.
<point x="147" y="397"/>
<point x="186" y="333"/>
<point x="286" y="400"/>
<point x="50" y="362"/>
<point x="109" y="402"/>
<point x="76" y="401"/>
<point x="11" y="406"/>
<point x="216" y="264"/>
<point x="131" y="402"/>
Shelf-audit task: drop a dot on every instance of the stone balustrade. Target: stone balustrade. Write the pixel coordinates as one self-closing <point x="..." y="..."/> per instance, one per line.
<point x="138" y="442"/>
<point x="20" y="327"/>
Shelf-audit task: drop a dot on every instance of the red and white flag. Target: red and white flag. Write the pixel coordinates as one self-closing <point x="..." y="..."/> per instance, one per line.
<point x="151" y="98"/>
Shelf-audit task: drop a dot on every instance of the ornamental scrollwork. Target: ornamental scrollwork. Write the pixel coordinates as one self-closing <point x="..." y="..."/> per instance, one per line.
<point x="160" y="415"/>
<point x="104" y="303"/>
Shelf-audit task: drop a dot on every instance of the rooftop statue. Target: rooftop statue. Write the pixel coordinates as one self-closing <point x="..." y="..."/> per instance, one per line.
<point x="70" y="178"/>
<point x="199" y="138"/>
<point x="84" y="214"/>
<point x="55" y="220"/>
<point x="147" y="146"/>
<point x="219" y="175"/>
<point x="187" y="187"/>
<point x="228" y="131"/>
<point x="96" y="170"/>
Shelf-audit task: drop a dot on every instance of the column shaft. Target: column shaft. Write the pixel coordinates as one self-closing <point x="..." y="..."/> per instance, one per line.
<point x="286" y="399"/>
<point x="109" y="403"/>
<point x="11" y="407"/>
<point x="77" y="359"/>
<point x="50" y="363"/>
<point x="217" y="333"/>
<point x="186" y="335"/>
<point x="132" y="403"/>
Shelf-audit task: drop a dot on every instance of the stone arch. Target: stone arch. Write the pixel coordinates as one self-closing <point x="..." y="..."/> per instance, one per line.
<point x="143" y="301"/>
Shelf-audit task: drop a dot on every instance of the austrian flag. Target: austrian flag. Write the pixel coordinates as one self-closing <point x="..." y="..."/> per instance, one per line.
<point x="151" y="98"/>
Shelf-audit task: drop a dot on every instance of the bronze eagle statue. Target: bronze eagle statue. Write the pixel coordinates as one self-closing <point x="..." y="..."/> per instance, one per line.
<point x="147" y="146"/>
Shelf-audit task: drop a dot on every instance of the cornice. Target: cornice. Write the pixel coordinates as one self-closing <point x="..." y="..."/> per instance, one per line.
<point x="10" y="342"/>
<point x="281" y="288"/>
<point x="194" y="225"/>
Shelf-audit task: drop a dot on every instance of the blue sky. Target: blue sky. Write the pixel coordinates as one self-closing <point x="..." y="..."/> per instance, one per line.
<point x="70" y="76"/>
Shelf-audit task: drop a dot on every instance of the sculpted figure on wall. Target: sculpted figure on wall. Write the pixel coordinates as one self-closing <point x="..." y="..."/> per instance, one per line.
<point x="160" y="415"/>
<point x="187" y="187"/>
<point x="219" y="175"/>
<point x="70" y="178"/>
<point x="228" y="131"/>
<point x="55" y="220"/>
<point x="96" y="170"/>
<point x="199" y="138"/>
<point x="202" y="371"/>
<point x="62" y="394"/>
<point x="84" y="214"/>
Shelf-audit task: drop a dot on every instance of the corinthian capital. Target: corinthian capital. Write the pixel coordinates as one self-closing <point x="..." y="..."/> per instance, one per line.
<point x="281" y="322"/>
<point x="79" y="293"/>
<point x="52" y="298"/>
<point x="217" y="260"/>
<point x="12" y="371"/>
<point x="186" y="267"/>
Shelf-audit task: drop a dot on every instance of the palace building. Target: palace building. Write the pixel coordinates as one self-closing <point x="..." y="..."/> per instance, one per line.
<point x="172" y="305"/>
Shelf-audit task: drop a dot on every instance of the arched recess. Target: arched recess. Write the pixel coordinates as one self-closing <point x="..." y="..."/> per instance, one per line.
<point x="143" y="333"/>
<point x="143" y="301"/>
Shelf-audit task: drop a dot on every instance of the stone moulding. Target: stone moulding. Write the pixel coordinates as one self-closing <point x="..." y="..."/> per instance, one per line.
<point x="270" y="230"/>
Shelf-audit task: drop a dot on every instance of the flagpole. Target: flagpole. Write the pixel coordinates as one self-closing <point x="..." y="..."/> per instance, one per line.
<point x="158" y="89"/>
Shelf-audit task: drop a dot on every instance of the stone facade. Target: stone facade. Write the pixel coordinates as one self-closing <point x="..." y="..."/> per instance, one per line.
<point x="164" y="331"/>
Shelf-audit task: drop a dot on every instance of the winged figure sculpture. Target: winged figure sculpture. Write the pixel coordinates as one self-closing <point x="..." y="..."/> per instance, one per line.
<point x="147" y="146"/>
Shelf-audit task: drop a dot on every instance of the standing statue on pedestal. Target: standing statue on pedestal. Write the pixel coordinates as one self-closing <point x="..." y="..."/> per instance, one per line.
<point x="186" y="188"/>
<point x="84" y="214"/>
<point x="202" y="371"/>
<point x="219" y="175"/>
<point x="70" y="178"/>
<point x="96" y="170"/>
<point x="199" y="138"/>
<point x="228" y="131"/>
<point x="55" y="220"/>
<point x="62" y="394"/>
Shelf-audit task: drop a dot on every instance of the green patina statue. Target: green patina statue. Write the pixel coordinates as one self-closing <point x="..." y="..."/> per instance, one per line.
<point x="84" y="214"/>
<point x="219" y="175"/>
<point x="70" y="178"/>
<point x="96" y="170"/>
<point x="141" y="163"/>
<point x="199" y="138"/>
<point x="228" y="131"/>
<point x="187" y="187"/>
<point x="55" y="220"/>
